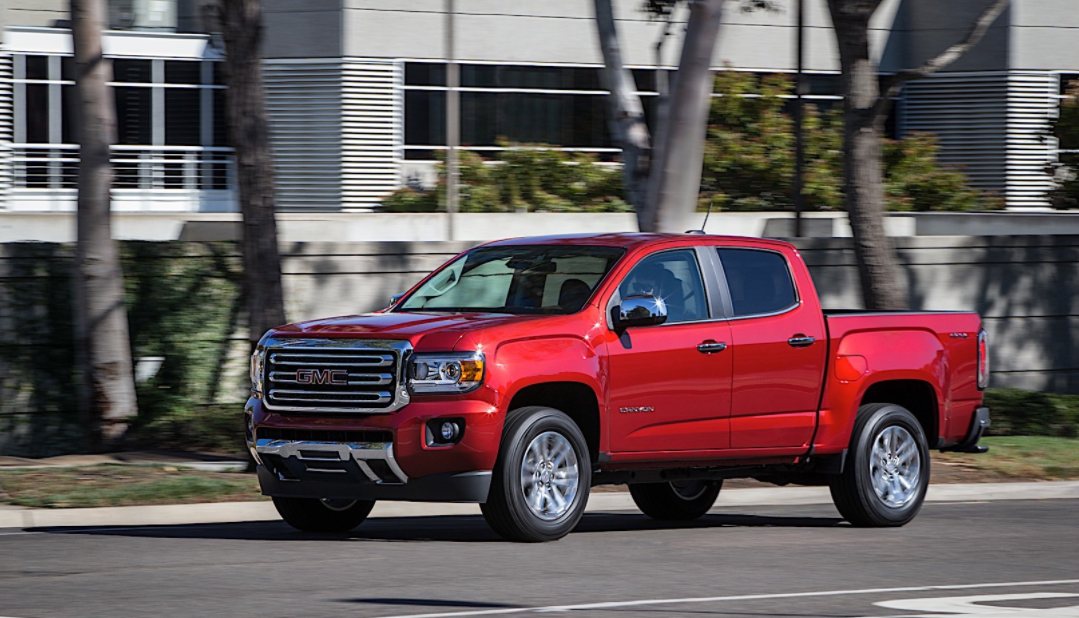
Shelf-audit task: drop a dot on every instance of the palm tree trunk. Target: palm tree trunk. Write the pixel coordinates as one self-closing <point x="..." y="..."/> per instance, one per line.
<point x="627" y="123"/>
<point x="102" y="343"/>
<point x="884" y="285"/>
<point x="678" y="149"/>
<point x="248" y="131"/>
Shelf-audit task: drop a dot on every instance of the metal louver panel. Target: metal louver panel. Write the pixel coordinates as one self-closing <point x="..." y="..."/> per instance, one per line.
<point x="968" y="114"/>
<point x="6" y="128"/>
<point x="371" y="118"/>
<point x="303" y="102"/>
<point x="1031" y="103"/>
<point x="990" y="125"/>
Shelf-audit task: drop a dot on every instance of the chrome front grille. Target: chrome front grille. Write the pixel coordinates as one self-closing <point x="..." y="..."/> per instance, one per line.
<point x="334" y="375"/>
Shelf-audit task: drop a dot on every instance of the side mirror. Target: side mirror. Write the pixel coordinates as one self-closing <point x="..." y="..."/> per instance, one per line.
<point x="640" y="310"/>
<point x="395" y="298"/>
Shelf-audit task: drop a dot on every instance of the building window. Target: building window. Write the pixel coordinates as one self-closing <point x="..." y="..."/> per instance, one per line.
<point x="170" y="130"/>
<point x="558" y="106"/>
<point x="500" y="104"/>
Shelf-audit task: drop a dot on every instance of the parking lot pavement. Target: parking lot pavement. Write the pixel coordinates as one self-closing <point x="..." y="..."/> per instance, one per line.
<point x="1014" y="558"/>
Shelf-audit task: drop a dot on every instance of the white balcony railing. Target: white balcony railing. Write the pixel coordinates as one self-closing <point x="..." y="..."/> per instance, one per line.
<point x="188" y="178"/>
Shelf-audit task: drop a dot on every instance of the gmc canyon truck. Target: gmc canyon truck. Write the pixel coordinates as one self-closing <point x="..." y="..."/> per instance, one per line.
<point x="523" y="372"/>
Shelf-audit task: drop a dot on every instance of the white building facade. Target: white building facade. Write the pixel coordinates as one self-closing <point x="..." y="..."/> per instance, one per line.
<point x="356" y="91"/>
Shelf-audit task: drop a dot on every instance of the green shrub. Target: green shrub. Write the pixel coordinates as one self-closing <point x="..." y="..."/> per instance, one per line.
<point x="1066" y="171"/>
<point x="525" y="178"/>
<point x="749" y="156"/>
<point x="183" y="303"/>
<point x="1016" y="412"/>
<point x="411" y="200"/>
<point x="915" y="181"/>
<point x="749" y="151"/>
<point x="207" y="428"/>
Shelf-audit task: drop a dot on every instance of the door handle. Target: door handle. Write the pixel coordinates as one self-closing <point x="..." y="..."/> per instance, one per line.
<point x="801" y="341"/>
<point x="710" y="347"/>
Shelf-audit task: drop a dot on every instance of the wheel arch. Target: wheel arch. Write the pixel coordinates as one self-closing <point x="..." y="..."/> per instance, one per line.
<point x="576" y="399"/>
<point x="919" y="396"/>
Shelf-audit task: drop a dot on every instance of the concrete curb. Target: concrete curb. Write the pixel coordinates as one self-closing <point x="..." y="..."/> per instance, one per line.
<point x="234" y="512"/>
<point x="205" y="466"/>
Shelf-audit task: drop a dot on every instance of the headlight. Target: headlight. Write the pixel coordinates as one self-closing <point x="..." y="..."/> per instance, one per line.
<point x="445" y="373"/>
<point x="257" y="360"/>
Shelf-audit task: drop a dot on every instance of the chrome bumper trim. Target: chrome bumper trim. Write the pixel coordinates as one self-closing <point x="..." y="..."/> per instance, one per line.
<point x="360" y="452"/>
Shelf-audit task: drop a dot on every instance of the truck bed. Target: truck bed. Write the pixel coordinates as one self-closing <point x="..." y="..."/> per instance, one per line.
<point x="866" y="347"/>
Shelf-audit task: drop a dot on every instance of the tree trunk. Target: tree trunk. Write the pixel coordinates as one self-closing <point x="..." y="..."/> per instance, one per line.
<point x="102" y="344"/>
<point x="627" y="123"/>
<point x="678" y="150"/>
<point x="884" y="285"/>
<point x="242" y="31"/>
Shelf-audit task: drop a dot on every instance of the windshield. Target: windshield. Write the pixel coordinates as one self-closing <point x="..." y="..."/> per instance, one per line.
<point x="519" y="279"/>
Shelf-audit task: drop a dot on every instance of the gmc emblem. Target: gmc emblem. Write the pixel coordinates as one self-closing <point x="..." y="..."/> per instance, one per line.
<point x="334" y="377"/>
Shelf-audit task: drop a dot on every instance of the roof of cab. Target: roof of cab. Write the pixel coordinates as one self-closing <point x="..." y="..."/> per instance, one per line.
<point x="627" y="240"/>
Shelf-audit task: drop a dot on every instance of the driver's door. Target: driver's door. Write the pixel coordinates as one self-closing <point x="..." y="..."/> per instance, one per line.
<point x="670" y="385"/>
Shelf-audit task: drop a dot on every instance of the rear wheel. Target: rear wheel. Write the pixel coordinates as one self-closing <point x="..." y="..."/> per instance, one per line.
<point x="675" y="501"/>
<point x="887" y="471"/>
<point x="542" y="477"/>
<point x="323" y="515"/>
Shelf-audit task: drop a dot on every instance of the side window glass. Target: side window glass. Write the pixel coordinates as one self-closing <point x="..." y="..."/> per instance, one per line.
<point x="673" y="276"/>
<point x="759" y="281"/>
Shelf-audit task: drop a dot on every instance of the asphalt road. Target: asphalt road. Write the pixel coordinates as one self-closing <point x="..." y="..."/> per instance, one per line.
<point x="985" y="559"/>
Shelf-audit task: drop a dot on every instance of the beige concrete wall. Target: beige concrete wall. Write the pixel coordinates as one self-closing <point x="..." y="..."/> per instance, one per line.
<point x="32" y="12"/>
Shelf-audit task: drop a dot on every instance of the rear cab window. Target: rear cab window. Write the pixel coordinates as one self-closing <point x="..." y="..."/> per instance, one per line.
<point x="759" y="281"/>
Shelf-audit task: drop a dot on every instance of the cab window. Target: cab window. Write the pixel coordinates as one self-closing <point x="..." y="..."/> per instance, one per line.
<point x="673" y="276"/>
<point x="759" y="281"/>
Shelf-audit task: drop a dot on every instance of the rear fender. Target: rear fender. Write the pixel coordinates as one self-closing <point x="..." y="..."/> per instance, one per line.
<point x="913" y="354"/>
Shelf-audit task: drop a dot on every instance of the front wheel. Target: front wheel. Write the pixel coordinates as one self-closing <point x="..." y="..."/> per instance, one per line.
<point x="325" y="515"/>
<point x="677" y="500"/>
<point x="886" y="475"/>
<point x="542" y="477"/>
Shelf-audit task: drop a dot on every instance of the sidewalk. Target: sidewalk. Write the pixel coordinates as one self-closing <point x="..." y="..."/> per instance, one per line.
<point x="233" y="512"/>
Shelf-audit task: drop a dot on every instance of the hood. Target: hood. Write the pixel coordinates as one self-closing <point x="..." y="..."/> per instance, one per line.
<point x="435" y="330"/>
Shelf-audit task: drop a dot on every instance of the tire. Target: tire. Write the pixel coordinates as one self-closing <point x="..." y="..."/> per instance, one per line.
<point x="872" y="491"/>
<point x="536" y="503"/>
<point x="675" y="501"/>
<point x="315" y="515"/>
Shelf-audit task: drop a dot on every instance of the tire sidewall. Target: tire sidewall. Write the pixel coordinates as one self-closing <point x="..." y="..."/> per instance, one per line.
<point x="516" y="441"/>
<point x="890" y="416"/>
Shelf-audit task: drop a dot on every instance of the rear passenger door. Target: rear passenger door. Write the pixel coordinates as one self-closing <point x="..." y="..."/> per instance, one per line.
<point x="778" y="349"/>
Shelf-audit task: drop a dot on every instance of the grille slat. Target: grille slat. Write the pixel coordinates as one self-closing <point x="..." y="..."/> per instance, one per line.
<point x="354" y="379"/>
<point x="332" y="360"/>
<point x="333" y="397"/>
<point x="330" y="379"/>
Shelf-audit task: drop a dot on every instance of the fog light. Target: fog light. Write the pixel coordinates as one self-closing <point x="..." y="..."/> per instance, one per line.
<point x="444" y="432"/>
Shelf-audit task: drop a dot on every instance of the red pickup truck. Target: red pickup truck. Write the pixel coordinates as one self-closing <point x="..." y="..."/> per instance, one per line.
<point x="523" y="372"/>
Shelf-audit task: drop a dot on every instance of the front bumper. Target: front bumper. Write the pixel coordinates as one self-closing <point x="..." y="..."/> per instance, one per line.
<point x="376" y="456"/>
<point x="453" y="487"/>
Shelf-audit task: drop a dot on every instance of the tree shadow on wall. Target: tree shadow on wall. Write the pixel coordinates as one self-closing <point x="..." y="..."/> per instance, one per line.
<point x="1024" y="289"/>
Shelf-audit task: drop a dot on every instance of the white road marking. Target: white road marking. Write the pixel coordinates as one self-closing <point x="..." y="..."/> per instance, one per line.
<point x="744" y="597"/>
<point x="957" y="607"/>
